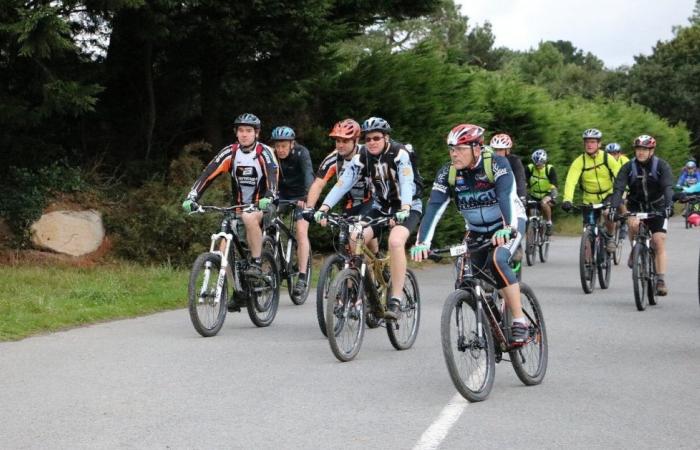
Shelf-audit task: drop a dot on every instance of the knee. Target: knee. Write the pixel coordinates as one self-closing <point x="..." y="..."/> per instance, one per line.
<point x="396" y="243"/>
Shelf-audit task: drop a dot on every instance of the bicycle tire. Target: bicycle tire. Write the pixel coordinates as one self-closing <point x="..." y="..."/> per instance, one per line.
<point x="332" y="265"/>
<point x="587" y="268"/>
<point x="530" y="244"/>
<point x="536" y="348"/>
<point x="473" y="388"/>
<point x="603" y="264"/>
<point x="544" y="246"/>
<point x="651" y="288"/>
<point x="262" y="313"/>
<point x="293" y="276"/>
<point x="201" y="308"/>
<point x="617" y="256"/>
<point x="404" y="331"/>
<point x="345" y="306"/>
<point x="270" y="245"/>
<point x="639" y="275"/>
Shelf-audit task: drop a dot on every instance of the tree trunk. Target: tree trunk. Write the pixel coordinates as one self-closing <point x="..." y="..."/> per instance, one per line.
<point x="150" y="96"/>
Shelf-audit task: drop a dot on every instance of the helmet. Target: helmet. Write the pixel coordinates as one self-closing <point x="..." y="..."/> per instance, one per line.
<point x="592" y="133"/>
<point x="283" y="134"/>
<point x="691" y="165"/>
<point x="694" y="219"/>
<point x="346" y="129"/>
<point x="539" y="156"/>
<point x="465" y="133"/>
<point x="247" y="119"/>
<point x="645" y="141"/>
<point x="376" y="124"/>
<point x="500" y="141"/>
<point x="613" y="147"/>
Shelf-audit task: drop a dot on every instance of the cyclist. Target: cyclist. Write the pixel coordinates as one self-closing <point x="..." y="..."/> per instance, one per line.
<point x="650" y="183"/>
<point x="253" y="169"/>
<point x="689" y="175"/>
<point x="490" y="207"/>
<point x="296" y="175"/>
<point x="596" y="172"/>
<point x="615" y="150"/>
<point x="542" y="184"/>
<point x="396" y="189"/>
<point x="502" y="145"/>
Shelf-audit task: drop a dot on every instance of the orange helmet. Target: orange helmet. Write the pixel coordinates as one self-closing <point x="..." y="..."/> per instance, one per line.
<point x="346" y="129"/>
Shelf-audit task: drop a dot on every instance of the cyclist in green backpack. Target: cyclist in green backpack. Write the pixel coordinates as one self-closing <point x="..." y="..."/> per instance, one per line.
<point x="542" y="184"/>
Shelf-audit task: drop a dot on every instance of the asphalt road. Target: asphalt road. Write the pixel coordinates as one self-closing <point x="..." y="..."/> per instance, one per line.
<point x="617" y="378"/>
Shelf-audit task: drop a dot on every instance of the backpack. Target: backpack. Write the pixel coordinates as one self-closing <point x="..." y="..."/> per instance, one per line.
<point x="653" y="173"/>
<point x="488" y="168"/>
<point x="593" y="167"/>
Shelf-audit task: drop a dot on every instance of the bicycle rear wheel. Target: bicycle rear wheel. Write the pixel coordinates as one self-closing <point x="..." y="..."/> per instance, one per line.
<point x="403" y="331"/>
<point x="603" y="264"/>
<point x="264" y="292"/>
<point x="345" y="315"/>
<point x="207" y="312"/>
<point x="469" y="355"/>
<point x="531" y="243"/>
<point x="293" y="276"/>
<point x="617" y="256"/>
<point x="586" y="262"/>
<point x="530" y="360"/>
<point x="332" y="265"/>
<point x="639" y="276"/>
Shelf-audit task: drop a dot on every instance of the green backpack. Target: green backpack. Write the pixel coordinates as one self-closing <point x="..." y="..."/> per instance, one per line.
<point x="487" y="155"/>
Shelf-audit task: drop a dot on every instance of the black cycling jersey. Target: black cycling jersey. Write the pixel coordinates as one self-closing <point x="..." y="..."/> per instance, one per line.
<point x="296" y="173"/>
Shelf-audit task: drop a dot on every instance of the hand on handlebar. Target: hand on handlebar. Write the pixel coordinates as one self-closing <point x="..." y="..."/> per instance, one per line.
<point x="419" y="252"/>
<point x="501" y="237"/>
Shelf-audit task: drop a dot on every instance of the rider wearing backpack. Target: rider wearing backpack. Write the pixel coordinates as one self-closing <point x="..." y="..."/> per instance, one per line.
<point x="650" y="183"/>
<point x="542" y="184"/>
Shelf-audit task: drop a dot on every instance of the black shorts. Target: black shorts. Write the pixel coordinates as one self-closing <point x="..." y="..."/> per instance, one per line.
<point x="656" y="224"/>
<point x="361" y="209"/>
<point x="286" y="208"/>
<point x="411" y="223"/>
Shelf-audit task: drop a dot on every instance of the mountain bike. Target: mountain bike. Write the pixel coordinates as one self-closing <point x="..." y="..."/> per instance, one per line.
<point x="363" y="286"/>
<point x="475" y="329"/>
<point x="592" y="253"/>
<point x="536" y="237"/>
<point x="280" y="239"/>
<point x="221" y="268"/>
<point x="644" y="262"/>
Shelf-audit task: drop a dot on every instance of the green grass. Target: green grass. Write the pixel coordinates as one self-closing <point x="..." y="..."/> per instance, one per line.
<point x="40" y="299"/>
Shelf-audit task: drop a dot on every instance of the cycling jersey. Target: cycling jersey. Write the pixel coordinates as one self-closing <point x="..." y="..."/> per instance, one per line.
<point x="540" y="181"/>
<point x="688" y="179"/>
<point x="596" y="176"/>
<point x="253" y="173"/>
<point x="646" y="192"/>
<point x="394" y="180"/>
<point x="333" y="165"/>
<point x="485" y="205"/>
<point x="516" y="165"/>
<point x="296" y="173"/>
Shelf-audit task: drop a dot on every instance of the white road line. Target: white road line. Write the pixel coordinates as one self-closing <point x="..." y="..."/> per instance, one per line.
<point x="437" y="432"/>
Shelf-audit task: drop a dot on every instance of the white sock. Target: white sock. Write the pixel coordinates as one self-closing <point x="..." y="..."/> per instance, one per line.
<point x="521" y="320"/>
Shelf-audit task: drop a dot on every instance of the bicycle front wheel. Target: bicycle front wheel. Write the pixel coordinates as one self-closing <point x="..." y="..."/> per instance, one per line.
<point x="207" y="312"/>
<point x="404" y="330"/>
<point x="469" y="354"/>
<point x="531" y="243"/>
<point x="264" y="292"/>
<point x="640" y="273"/>
<point x="332" y="265"/>
<point x="345" y="315"/>
<point x="586" y="262"/>
<point x="530" y="360"/>
<point x="651" y="285"/>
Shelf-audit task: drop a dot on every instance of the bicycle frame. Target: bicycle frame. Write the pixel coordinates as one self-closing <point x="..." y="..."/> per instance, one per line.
<point x="221" y="245"/>
<point x="375" y="274"/>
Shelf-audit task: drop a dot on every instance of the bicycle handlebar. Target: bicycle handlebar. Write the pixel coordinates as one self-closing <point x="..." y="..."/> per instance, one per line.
<point x="434" y="254"/>
<point x="247" y="207"/>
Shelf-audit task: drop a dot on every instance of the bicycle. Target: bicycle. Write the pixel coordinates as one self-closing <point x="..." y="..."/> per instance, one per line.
<point x="619" y="241"/>
<point x="281" y="241"/>
<point x="473" y="316"/>
<point x="536" y="237"/>
<point x="223" y="266"/>
<point x="362" y="287"/>
<point x="593" y="255"/>
<point x="644" y="262"/>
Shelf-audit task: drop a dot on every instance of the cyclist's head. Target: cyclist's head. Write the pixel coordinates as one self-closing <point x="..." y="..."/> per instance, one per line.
<point x="691" y="166"/>
<point x="501" y="143"/>
<point x="283" y="139"/>
<point x="247" y="128"/>
<point x="539" y="157"/>
<point x="591" y="140"/>
<point x="375" y="131"/>
<point x="346" y="133"/>
<point x="613" y="148"/>
<point x="644" y="146"/>
<point x="465" y="142"/>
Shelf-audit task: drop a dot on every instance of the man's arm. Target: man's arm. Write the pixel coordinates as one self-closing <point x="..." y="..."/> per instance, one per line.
<point x="220" y="164"/>
<point x="345" y="182"/>
<point x="405" y="173"/>
<point x="572" y="178"/>
<point x="666" y="181"/>
<point x="439" y="199"/>
<point x="620" y="185"/>
<point x="307" y="168"/>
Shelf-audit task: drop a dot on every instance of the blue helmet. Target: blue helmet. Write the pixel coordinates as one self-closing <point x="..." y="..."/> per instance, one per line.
<point x="539" y="156"/>
<point x="376" y="124"/>
<point x="283" y="134"/>
<point x="613" y="147"/>
<point x="247" y="119"/>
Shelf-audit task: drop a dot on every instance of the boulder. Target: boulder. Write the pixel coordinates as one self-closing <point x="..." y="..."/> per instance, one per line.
<point x="73" y="233"/>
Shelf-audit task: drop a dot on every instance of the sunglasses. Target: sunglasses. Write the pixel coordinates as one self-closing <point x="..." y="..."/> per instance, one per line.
<point x="374" y="139"/>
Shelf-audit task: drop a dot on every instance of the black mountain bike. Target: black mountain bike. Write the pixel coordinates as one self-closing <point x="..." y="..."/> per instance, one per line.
<point x="592" y="253"/>
<point x="473" y="317"/>
<point x="536" y="237"/>
<point x="215" y="272"/>
<point x="644" y="262"/>
<point x="281" y="241"/>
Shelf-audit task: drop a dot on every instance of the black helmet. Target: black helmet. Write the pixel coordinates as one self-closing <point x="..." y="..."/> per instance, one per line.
<point x="247" y="119"/>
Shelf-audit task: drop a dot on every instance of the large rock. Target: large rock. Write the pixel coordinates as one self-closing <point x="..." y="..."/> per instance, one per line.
<point x="74" y="233"/>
